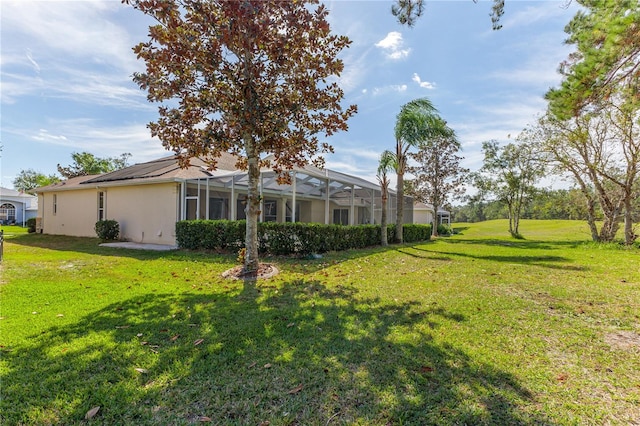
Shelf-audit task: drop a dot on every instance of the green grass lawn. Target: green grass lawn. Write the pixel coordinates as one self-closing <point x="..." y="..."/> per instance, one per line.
<point x="477" y="328"/>
<point x="13" y="229"/>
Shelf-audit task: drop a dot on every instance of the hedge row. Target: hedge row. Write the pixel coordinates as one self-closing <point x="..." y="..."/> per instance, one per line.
<point x="288" y="238"/>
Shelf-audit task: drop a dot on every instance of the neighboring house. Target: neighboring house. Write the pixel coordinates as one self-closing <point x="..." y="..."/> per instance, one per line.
<point x="148" y="199"/>
<point x="16" y="207"/>
<point x="424" y="213"/>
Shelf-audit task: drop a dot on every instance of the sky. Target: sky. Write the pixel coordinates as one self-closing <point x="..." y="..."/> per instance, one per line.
<point x="66" y="86"/>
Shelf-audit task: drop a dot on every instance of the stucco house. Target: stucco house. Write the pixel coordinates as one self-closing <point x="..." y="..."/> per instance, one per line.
<point x="148" y="199"/>
<point x="16" y="207"/>
<point x="424" y="213"/>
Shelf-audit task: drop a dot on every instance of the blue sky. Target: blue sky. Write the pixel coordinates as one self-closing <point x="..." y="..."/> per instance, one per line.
<point x="66" y="77"/>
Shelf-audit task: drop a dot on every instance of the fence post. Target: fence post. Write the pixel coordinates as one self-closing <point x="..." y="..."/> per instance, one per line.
<point x="1" y="244"/>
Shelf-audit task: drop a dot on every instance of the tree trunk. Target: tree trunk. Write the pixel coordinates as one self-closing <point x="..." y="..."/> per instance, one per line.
<point x="591" y="217"/>
<point x="518" y="213"/>
<point x="383" y="222"/>
<point x="591" y="205"/>
<point x="510" y="207"/>
<point x="434" y="230"/>
<point x="252" y="209"/>
<point x="629" y="235"/>
<point x="399" y="207"/>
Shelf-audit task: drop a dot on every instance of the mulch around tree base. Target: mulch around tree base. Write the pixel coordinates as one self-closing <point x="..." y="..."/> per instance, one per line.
<point x="265" y="270"/>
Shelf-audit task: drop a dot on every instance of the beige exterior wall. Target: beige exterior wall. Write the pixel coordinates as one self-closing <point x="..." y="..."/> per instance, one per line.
<point x="145" y="213"/>
<point x="316" y="212"/>
<point x="423" y="216"/>
<point x="71" y="213"/>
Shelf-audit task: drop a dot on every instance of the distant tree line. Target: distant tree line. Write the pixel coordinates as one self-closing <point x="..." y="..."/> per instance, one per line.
<point x="84" y="164"/>
<point x="561" y="204"/>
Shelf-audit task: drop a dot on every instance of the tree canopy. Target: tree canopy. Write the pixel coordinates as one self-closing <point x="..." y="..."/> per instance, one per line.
<point x="85" y="163"/>
<point x="29" y="179"/>
<point x="606" y="34"/>
<point x="417" y="122"/>
<point x="596" y="110"/>
<point x="250" y="77"/>
<point x="510" y="173"/>
<point x="438" y="174"/>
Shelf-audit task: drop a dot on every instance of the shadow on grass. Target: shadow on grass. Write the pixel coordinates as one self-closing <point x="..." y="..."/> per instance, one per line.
<point x="459" y="230"/>
<point x="302" y="264"/>
<point x="546" y="261"/>
<point x="519" y="243"/>
<point x="297" y="353"/>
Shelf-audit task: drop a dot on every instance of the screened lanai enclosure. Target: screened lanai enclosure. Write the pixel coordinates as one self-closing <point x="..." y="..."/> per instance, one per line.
<point x="314" y="195"/>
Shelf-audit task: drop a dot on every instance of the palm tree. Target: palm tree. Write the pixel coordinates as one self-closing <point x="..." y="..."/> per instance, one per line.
<point x="387" y="164"/>
<point x="416" y="122"/>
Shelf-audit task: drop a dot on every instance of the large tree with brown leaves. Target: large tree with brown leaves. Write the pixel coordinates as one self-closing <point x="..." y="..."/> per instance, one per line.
<point x="249" y="77"/>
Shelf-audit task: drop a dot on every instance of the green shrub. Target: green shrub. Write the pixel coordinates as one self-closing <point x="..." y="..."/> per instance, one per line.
<point x="107" y="230"/>
<point x="415" y="232"/>
<point x="31" y="225"/>
<point x="210" y="234"/>
<point x="288" y="238"/>
<point x="444" y="229"/>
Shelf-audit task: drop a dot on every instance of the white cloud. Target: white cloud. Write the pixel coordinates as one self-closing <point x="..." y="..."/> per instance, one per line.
<point x="392" y="45"/>
<point x="36" y="67"/>
<point x="539" y="67"/>
<point x="392" y="41"/>
<point x="541" y="12"/>
<point x="44" y="136"/>
<point x="388" y="89"/>
<point x="423" y="84"/>
<point x="83" y="29"/>
<point x="16" y="85"/>
<point x="99" y="138"/>
<point x="483" y="120"/>
<point x="362" y="152"/>
<point x="79" y="51"/>
<point x="355" y="70"/>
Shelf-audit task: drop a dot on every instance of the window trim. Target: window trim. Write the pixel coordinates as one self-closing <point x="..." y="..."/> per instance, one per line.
<point x="102" y="205"/>
<point x="9" y="207"/>
<point x="270" y="206"/>
<point x="340" y="212"/>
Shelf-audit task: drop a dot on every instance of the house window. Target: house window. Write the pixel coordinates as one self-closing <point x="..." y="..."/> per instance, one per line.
<point x="270" y="210"/>
<point x="55" y="204"/>
<point x="288" y="218"/>
<point x="241" y="205"/>
<point x="101" y="206"/>
<point x="341" y="216"/>
<point x="364" y="215"/>
<point x="7" y="213"/>
<point x="217" y="208"/>
<point x="192" y="208"/>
